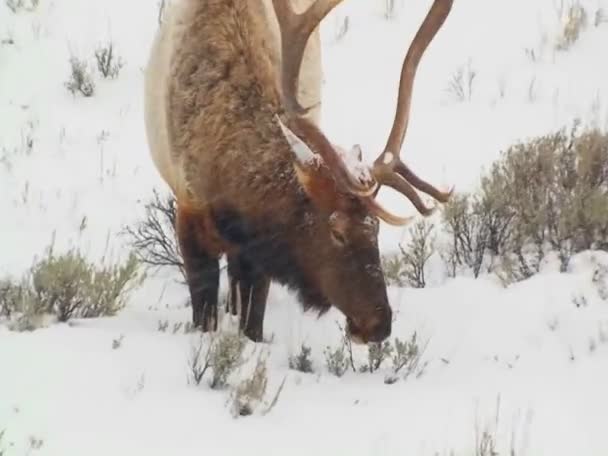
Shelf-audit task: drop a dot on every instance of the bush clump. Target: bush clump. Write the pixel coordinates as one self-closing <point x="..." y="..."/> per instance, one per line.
<point x="13" y="297"/>
<point x="223" y="354"/>
<point x="68" y="286"/>
<point x="81" y="78"/>
<point x="154" y="239"/>
<point x="546" y="195"/>
<point x="108" y="63"/>
<point x="302" y="362"/>
<point x="408" y="268"/>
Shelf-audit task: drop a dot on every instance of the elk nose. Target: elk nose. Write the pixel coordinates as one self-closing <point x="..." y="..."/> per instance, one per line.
<point x="374" y="328"/>
<point x="381" y="325"/>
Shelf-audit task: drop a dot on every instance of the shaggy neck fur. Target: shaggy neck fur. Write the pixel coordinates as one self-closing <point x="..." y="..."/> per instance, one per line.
<point x="222" y="100"/>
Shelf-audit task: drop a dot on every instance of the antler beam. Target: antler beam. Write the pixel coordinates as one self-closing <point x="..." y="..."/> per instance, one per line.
<point x="295" y="32"/>
<point x="388" y="168"/>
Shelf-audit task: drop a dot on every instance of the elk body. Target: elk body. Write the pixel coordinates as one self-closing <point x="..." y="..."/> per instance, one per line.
<point x="229" y="87"/>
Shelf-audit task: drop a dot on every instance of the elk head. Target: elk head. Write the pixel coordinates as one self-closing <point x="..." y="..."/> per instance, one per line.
<point x="341" y="187"/>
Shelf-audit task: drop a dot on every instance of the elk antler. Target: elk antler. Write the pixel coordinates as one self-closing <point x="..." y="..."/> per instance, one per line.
<point x="295" y="31"/>
<point x="388" y="168"/>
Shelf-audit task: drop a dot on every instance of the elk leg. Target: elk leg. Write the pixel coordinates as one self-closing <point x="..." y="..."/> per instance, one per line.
<point x="202" y="271"/>
<point x="253" y="286"/>
<point x="232" y="304"/>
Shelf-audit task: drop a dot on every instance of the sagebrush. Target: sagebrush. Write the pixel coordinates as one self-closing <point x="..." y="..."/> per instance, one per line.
<point x="302" y="362"/>
<point x="409" y="267"/>
<point x="220" y="354"/>
<point x="17" y="6"/>
<point x="108" y="62"/>
<point x="68" y="286"/>
<point x="549" y="194"/>
<point x="80" y="79"/>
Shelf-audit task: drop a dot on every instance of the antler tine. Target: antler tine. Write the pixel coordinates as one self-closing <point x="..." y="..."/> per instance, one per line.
<point x="295" y="32"/>
<point x="388" y="168"/>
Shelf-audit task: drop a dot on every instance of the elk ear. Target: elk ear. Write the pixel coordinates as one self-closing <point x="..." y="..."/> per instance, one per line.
<point x="352" y="155"/>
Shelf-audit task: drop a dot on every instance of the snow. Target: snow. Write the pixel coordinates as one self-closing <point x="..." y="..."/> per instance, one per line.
<point x="528" y="348"/>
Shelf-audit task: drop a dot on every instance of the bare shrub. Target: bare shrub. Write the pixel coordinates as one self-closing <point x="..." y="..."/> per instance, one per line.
<point x="485" y="443"/>
<point x="342" y="26"/>
<point x="226" y="356"/>
<point x="162" y="325"/>
<point x="337" y="360"/>
<point x="198" y="364"/>
<point x="302" y="362"/>
<point x="406" y="357"/>
<point x="377" y="353"/>
<point x="153" y="239"/>
<point x="485" y="439"/>
<point x="600" y="281"/>
<point x="417" y="252"/>
<point x="81" y="79"/>
<point x="13" y="297"/>
<point x="489" y="441"/>
<point x="460" y="85"/>
<point x="532" y="92"/>
<point x="390" y="9"/>
<point x="575" y="22"/>
<point x="17" y="6"/>
<point x="108" y="63"/>
<point x="117" y="343"/>
<point x="477" y="227"/>
<point x="600" y="17"/>
<point x="30" y="315"/>
<point x="531" y="54"/>
<point x="9" y="38"/>
<point x="248" y="396"/>
<point x="408" y="268"/>
<point x="223" y="354"/>
<point x="19" y="306"/>
<point x="392" y="267"/>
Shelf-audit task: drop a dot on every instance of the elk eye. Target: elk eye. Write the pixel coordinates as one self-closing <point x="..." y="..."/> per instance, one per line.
<point x="338" y="238"/>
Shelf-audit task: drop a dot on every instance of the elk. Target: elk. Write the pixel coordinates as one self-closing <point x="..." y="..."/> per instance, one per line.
<point x="254" y="176"/>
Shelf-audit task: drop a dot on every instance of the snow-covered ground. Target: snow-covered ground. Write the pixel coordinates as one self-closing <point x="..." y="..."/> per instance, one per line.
<point x="528" y="348"/>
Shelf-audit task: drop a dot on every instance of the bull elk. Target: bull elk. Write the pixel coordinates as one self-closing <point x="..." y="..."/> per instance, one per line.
<point x="253" y="175"/>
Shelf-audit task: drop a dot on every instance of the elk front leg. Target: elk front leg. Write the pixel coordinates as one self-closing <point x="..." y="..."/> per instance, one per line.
<point x="202" y="270"/>
<point x="249" y="287"/>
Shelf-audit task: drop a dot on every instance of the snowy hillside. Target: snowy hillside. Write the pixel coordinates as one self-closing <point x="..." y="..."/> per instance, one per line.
<point x="75" y="170"/>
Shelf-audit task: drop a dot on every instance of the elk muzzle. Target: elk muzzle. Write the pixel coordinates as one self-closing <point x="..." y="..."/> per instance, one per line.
<point x="373" y="328"/>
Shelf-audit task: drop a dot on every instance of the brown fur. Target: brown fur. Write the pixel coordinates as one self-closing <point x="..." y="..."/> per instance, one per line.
<point x="240" y="190"/>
